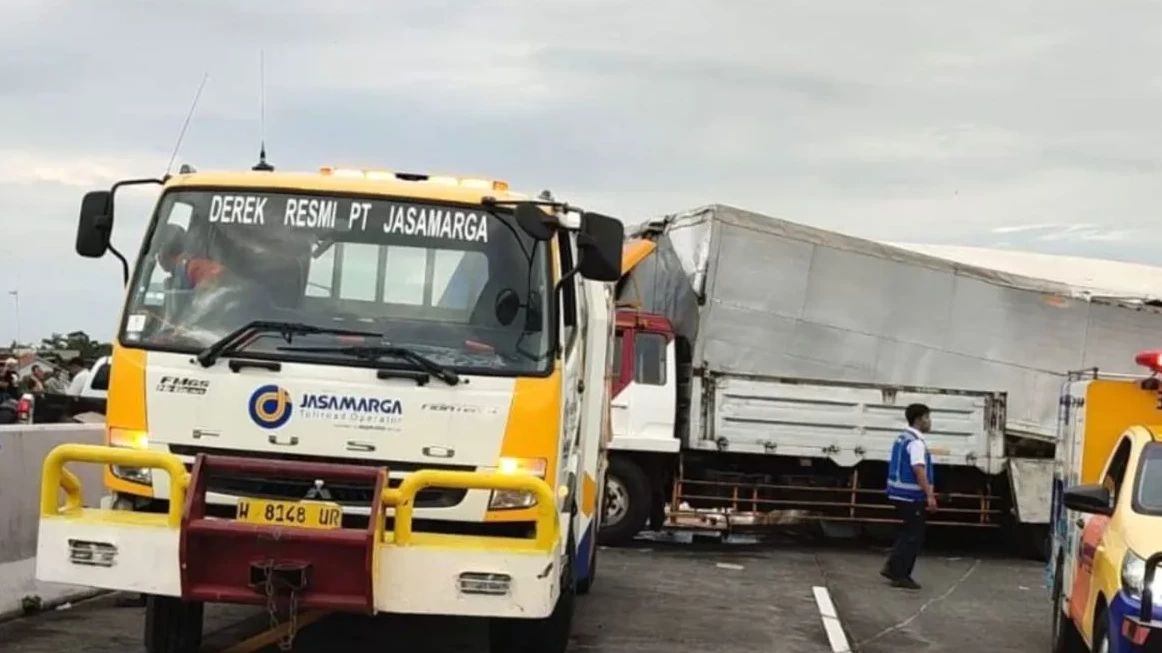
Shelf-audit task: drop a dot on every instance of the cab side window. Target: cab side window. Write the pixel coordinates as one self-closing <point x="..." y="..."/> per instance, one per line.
<point x="650" y="358"/>
<point x="1116" y="472"/>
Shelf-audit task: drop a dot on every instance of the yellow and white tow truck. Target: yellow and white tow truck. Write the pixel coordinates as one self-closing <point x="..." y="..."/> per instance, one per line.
<point x="349" y="390"/>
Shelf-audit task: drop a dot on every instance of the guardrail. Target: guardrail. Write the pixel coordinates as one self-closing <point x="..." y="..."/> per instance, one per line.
<point x="22" y="452"/>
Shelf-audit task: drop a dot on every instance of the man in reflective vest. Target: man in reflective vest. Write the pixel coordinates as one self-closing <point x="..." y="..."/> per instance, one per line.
<point x="911" y="489"/>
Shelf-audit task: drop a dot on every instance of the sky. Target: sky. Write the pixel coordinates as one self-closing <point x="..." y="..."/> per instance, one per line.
<point x="988" y="123"/>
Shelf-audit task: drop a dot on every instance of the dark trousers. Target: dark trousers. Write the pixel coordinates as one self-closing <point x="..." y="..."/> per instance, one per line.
<point x="909" y="539"/>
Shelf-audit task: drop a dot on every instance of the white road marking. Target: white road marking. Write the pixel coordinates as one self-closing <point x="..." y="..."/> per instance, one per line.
<point x="831" y="622"/>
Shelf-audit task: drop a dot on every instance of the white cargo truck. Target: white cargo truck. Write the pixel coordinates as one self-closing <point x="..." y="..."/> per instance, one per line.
<point x="764" y="367"/>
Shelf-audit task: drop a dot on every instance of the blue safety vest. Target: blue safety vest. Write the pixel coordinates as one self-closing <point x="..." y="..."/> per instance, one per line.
<point x="902" y="485"/>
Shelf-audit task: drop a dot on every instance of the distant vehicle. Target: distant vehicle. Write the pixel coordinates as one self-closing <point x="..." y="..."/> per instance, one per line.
<point x="764" y="367"/>
<point x="97" y="386"/>
<point x="50" y="407"/>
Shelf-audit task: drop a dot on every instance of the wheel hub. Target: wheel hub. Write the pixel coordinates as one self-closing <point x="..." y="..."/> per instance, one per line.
<point x="616" y="501"/>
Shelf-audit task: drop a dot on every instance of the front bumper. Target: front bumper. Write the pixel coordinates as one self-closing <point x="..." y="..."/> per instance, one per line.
<point x="1129" y="632"/>
<point x="185" y="553"/>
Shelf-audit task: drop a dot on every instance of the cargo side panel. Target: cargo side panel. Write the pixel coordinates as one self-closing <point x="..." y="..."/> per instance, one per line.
<point x="848" y="424"/>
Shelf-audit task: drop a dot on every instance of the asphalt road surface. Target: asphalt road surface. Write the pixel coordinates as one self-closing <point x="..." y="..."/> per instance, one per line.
<point x="662" y="598"/>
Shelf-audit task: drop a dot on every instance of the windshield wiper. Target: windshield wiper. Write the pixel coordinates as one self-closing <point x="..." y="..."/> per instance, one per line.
<point x="231" y="341"/>
<point x="376" y="352"/>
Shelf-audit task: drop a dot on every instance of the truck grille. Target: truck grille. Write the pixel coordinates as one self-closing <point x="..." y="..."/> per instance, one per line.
<point x="347" y="494"/>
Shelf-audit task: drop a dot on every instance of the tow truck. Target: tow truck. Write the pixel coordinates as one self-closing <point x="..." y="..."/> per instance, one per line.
<point x="347" y="390"/>
<point x="1107" y="512"/>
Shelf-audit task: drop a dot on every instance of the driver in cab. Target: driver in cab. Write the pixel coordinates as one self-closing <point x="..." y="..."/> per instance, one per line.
<point x="187" y="272"/>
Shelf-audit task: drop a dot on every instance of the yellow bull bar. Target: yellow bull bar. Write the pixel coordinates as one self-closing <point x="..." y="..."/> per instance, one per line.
<point x="403" y="499"/>
<point x="55" y="477"/>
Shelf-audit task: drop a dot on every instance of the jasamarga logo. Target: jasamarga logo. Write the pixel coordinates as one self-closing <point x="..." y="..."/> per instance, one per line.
<point x="348" y="410"/>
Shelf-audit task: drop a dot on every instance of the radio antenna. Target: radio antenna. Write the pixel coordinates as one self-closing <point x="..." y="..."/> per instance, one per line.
<point x="262" y="165"/>
<point x="182" y="133"/>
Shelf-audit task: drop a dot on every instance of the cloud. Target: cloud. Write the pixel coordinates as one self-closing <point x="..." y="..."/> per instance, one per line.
<point x="974" y="124"/>
<point x="83" y="171"/>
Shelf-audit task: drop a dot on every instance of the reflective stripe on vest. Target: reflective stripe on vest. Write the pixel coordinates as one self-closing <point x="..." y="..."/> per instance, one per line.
<point x="902" y="485"/>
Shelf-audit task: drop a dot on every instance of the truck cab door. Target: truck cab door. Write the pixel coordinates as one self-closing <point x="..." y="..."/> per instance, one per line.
<point x="644" y="397"/>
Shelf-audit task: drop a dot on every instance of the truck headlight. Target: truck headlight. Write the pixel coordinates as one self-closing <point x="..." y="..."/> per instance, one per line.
<point x="1134" y="573"/>
<point x="516" y="499"/>
<point x="131" y="439"/>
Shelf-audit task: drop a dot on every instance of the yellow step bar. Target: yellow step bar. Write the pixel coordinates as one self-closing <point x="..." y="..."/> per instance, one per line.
<point x="55" y="477"/>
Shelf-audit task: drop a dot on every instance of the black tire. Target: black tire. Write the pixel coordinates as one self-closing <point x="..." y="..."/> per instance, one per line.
<point x="625" y="481"/>
<point x="586" y="584"/>
<point x="1066" y="639"/>
<point x="548" y="635"/>
<point x="1101" y="634"/>
<point x="172" y="625"/>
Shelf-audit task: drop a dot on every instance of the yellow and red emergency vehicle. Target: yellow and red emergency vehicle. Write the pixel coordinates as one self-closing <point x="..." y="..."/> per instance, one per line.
<point x="348" y="390"/>
<point x="1107" y="513"/>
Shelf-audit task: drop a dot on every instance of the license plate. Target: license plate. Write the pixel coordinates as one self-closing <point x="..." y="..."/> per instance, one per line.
<point x="304" y="514"/>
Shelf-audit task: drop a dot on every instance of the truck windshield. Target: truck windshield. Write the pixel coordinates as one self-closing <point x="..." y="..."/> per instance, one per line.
<point x="426" y="276"/>
<point x="1148" y="494"/>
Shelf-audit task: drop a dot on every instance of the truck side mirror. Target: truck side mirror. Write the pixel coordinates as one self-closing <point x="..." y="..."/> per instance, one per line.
<point x="1092" y="499"/>
<point x="600" y="244"/>
<point x="96" y="224"/>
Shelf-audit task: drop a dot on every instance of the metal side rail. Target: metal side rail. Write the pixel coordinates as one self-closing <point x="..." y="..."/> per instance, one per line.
<point x="309" y="556"/>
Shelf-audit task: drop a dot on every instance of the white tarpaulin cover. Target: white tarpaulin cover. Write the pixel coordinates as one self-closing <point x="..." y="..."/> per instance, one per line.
<point x="759" y="295"/>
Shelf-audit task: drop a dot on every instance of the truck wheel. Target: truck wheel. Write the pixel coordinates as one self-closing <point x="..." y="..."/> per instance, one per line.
<point x="172" y="625"/>
<point x="626" y="504"/>
<point x="1066" y="639"/>
<point x="548" y="635"/>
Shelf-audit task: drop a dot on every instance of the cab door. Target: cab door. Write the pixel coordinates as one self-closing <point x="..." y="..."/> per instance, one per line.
<point x="572" y="329"/>
<point x="1093" y="529"/>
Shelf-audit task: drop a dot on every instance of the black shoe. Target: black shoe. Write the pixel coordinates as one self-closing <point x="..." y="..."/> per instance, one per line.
<point x="887" y="574"/>
<point x="906" y="583"/>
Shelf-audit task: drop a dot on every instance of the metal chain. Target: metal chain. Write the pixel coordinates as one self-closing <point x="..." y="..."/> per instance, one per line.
<point x="288" y="640"/>
<point x="286" y="643"/>
<point x="271" y="603"/>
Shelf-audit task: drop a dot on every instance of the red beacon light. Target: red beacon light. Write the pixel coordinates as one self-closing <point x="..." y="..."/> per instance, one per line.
<point x="1151" y="360"/>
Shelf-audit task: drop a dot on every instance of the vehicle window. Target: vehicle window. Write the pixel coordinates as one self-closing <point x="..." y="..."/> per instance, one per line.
<point x="1148" y="495"/>
<point x="101" y="377"/>
<point x="1116" y="472"/>
<point x="425" y="276"/>
<point x="649" y="351"/>
<point x="357" y="274"/>
<point x="157" y="288"/>
<point x="568" y="305"/>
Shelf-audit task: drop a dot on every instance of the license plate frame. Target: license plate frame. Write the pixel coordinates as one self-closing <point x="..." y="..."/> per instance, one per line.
<point x="308" y="514"/>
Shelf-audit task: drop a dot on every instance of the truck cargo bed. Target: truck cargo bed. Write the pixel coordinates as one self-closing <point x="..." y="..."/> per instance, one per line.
<point x="846" y="422"/>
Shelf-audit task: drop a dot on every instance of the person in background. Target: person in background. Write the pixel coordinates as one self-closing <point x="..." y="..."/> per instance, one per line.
<point x="55" y="383"/>
<point x="10" y="379"/>
<point x="81" y="374"/>
<point x="34" y="382"/>
<point x="911" y="488"/>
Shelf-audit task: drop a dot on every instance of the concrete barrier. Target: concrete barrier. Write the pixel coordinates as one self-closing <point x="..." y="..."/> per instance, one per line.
<point x="22" y="452"/>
